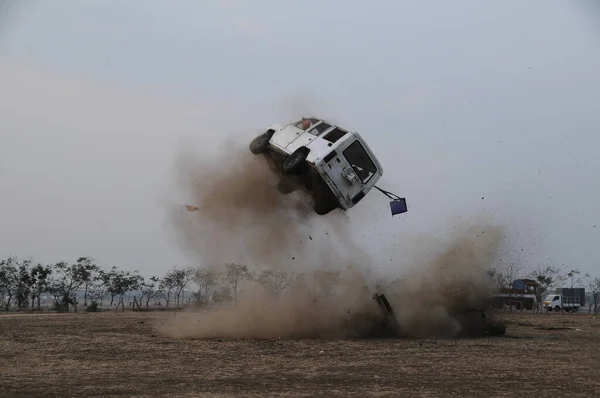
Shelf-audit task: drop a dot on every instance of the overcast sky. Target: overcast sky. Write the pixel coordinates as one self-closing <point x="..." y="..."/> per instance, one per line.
<point x="460" y="101"/>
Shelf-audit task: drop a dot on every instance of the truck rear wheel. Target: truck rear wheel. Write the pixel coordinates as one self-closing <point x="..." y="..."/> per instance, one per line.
<point x="260" y="144"/>
<point x="285" y="187"/>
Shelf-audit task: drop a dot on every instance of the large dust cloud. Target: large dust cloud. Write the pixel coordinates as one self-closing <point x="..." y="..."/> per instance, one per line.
<point x="241" y="217"/>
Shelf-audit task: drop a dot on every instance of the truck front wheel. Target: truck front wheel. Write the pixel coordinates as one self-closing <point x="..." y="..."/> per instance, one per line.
<point x="296" y="162"/>
<point x="557" y="308"/>
<point x="324" y="206"/>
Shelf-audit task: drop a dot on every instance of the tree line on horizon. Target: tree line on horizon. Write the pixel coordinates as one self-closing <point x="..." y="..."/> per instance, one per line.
<point x="23" y="283"/>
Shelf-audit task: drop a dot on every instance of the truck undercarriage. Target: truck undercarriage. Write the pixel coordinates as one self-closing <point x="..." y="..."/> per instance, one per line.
<point x="306" y="179"/>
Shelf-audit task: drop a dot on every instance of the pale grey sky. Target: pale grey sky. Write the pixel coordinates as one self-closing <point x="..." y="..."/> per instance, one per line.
<point x="460" y="100"/>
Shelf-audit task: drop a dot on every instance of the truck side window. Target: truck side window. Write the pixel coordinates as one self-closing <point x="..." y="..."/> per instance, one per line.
<point x="360" y="161"/>
<point x="555" y="298"/>
<point x="334" y="135"/>
<point x="320" y="128"/>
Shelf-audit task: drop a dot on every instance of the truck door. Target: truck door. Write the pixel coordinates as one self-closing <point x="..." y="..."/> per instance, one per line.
<point x="284" y="138"/>
<point x="557" y="301"/>
<point x="350" y="168"/>
<point x="361" y="164"/>
<point x="306" y="139"/>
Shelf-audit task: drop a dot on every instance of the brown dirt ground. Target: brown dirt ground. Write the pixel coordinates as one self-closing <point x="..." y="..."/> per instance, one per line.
<point x="121" y="354"/>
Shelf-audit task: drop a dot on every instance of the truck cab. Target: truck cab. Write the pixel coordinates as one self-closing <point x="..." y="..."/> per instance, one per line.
<point x="331" y="162"/>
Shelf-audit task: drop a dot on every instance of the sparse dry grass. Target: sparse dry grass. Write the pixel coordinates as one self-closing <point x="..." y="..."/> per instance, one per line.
<point x="121" y="354"/>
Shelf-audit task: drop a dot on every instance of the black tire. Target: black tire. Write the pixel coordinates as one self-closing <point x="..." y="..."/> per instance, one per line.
<point x="285" y="187"/>
<point x="496" y="328"/>
<point x="295" y="163"/>
<point x="324" y="206"/>
<point x="325" y="201"/>
<point x="557" y="308"/>
<point x="311" y="180"/>
<point x="260" y="144"/>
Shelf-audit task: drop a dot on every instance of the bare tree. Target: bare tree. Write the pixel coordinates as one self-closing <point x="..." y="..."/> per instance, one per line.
<point x="110" y="282"/>
<point x="593" y="285"/>
<point x="221" y="294"/>
<point x="234" y="274"/>
<point x="548" y="278"/>
<point x="274" y="281"/>
<point x="97" y="290"/>
<point x="151" y="290"/>
<point x="207" y="280"/>
<point x="126" y="283"/>
<point x="506" y="273"/>
<point x="575" y="277"/>
<point x="89" y="273"/>
<point x="118" y="283"/>
<point x="181" y="278"/>
<point x="24" y="283"/>
<point x="64" y="284"/>
<point x="9" y="277"/>
<point x="167" y="284"/>
<point x="40" y="279"/>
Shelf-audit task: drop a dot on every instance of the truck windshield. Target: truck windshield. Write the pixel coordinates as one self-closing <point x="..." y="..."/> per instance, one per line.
<point x="360" y="161"/>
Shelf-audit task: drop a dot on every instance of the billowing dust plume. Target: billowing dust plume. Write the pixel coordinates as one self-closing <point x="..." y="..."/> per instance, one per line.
<point x="431" y="298"/>
<point x="240" y="216"/>
<point x="240" y="212"/>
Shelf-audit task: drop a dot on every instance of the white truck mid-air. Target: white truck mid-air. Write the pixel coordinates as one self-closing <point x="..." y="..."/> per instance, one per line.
<point x="332" y="163"/>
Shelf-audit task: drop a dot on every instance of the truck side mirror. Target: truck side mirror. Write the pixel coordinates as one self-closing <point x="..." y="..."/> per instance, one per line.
<point x="398" y="206"/>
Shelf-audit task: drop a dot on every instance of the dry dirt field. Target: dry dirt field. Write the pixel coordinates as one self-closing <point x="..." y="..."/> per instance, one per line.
<point x="121" y="354"/>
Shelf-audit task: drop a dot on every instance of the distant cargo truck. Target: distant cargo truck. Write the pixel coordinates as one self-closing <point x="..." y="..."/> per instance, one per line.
<point x="565" y="299"/>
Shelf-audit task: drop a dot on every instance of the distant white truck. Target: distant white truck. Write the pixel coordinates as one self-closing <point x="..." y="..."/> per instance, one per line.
<point x="332" y="163"/>
<point x="558" y="302"/>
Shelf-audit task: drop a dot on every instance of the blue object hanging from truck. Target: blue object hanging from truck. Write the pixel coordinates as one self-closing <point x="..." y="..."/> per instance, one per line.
<point x="397" y="204"/>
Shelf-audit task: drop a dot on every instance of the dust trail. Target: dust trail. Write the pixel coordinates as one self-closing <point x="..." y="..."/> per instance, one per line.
<point x="302" y="312"/>
<point x="426" y="300"/>
<point x="241" y="216"/>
